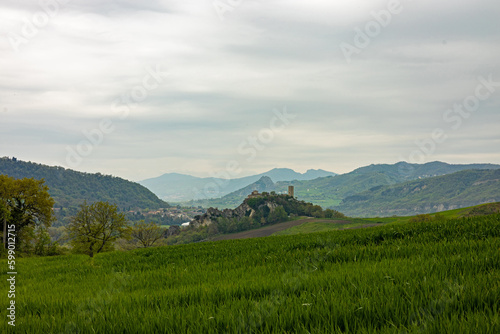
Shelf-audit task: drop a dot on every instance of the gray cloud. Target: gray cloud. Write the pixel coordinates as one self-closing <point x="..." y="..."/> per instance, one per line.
<point x="226" y="77"/>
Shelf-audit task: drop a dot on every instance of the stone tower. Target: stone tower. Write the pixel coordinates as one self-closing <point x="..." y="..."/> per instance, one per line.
<point x="291" y="191"/>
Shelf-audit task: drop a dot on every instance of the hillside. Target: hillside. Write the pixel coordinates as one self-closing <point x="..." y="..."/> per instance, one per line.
<point x="408" y="278"/>
<point x="404" y="171"/>
<point x="70" y="188"/>
<point x="330" y="191"/>
<point x="447" y="192"/>
<point x="175" y="187"/>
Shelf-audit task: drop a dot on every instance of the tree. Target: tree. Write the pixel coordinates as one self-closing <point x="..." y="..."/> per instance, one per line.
<point x="25" y="204"/>
<point x="329" y="213"/>
<point x="95" y="227"/>
<point x="147" y="233"/>
<point x="278" y="215"/>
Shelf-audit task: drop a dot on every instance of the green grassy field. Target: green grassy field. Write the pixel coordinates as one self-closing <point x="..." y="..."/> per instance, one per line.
<point x="436" y="277"/>
<point x="321" y="226"/>
<point x="483" y="209"/>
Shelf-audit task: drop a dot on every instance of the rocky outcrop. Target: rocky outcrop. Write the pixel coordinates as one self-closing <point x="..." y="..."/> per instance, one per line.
<point x="213" y="214"/>
<point x="244" y="210"/>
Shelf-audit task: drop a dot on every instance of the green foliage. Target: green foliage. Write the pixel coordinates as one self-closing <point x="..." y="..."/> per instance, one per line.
<point x="430" y="277"/>
<point x="255" y="202"/>
<point x="147" y="234"/>
<point x="96" y="227"/>
<point x="70" y="188"/>
<point x="44" y="246"/>
<point x="25" y="204"/>
<point x="232" y="225"/>
<point x="189" y="235"/>
<point x="329" y="213"/>
<point x="461" y="189"/>
<point x="277" y="215"/>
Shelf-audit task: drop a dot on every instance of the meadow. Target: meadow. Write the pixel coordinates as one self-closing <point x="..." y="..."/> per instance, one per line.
<point x="433" y="277"/>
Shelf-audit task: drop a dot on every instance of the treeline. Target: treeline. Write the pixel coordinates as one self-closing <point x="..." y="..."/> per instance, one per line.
<point x="26" y="218"/>
<point x="70" y="189"/>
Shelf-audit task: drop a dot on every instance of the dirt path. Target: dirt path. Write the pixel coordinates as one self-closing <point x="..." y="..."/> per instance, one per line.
<point x="268" y="230"/>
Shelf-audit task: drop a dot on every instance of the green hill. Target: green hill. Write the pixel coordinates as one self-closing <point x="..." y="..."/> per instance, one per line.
<point x="407" y="278"/>
<point x="330" y="191"/>
<point x="404" y="171"/>
<point x="447" y="192"/>
<point x="70" y="188"/>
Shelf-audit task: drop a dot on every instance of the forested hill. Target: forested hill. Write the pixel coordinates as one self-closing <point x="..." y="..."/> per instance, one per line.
<point x="447" y="192"/>
<point x="330" y="191"/>
<point x="70" y="188"/>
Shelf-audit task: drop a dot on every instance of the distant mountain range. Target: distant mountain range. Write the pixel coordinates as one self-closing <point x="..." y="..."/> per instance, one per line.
<point x="330" y="192"/>
<point x="234" y="199"/>
<point x="174" y="187"/>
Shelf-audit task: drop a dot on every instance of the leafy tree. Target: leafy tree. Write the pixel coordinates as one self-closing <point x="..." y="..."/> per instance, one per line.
<point x="147" y="233"/>
<point x="95" y="227"/>
<point x="43" y="243"/>
<point x="277" y="215"/>
<point x="26" y="204"/>
<point x="329" y="213"/>
<point x="317" y="211"/>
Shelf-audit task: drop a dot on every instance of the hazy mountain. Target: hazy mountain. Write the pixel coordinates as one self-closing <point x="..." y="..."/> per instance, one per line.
<point x="330" y="191"/>
<point x="232" y="200"/>
<point x="406" y="171"/>
<point x="447" y="192"/>
<point x="176" y="187"/>
<point x="70" y="188"/>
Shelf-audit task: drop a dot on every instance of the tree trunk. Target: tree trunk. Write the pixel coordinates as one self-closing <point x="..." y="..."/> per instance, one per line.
<point x="4" y="233"/>
<point x="91" y="250"/>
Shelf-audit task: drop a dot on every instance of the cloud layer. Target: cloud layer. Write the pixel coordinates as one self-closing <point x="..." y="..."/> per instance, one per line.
<point x="178" y="89"/>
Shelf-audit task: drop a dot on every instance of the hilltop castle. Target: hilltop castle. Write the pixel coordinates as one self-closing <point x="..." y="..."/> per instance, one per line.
<point x="255" y="193"/>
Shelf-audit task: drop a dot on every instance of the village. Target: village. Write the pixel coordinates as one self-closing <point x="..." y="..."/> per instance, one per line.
<point x="175" y="215"/>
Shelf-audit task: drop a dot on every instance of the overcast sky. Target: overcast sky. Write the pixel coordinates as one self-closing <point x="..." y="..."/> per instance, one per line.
<point x="141" y="88"/>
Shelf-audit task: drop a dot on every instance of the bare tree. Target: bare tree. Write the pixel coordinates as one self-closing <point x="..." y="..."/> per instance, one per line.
<point x="147" y="233"/>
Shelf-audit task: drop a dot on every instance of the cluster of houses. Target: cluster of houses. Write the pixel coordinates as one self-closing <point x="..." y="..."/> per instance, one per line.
<point x="173" y="212"/>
